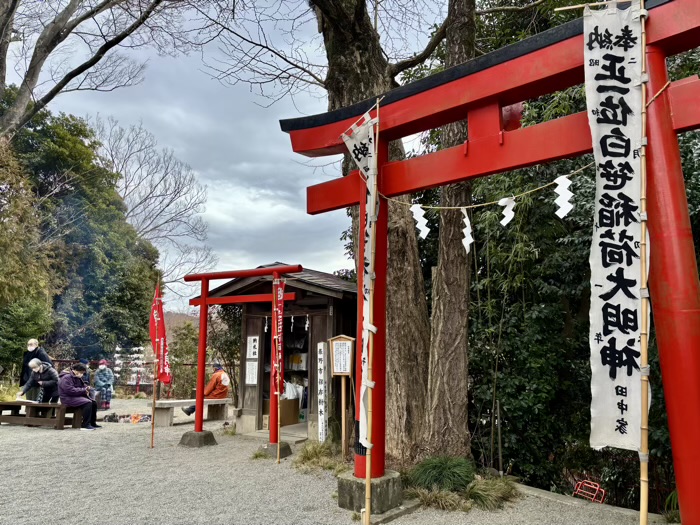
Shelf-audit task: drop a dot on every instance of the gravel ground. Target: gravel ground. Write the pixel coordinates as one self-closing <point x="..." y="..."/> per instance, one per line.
<point x="111" y="476"/>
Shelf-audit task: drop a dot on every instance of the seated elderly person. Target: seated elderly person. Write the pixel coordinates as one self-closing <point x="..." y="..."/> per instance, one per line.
<point x="44" y="377"/>
<point x="74" y="393"/>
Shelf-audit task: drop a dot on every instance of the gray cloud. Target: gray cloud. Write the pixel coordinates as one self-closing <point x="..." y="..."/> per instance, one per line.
<point x="257" y="186"/>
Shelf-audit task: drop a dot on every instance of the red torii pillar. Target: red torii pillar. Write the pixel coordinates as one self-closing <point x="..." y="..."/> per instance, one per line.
<point x="478" y="90"/>
<point x="204" y="301"/>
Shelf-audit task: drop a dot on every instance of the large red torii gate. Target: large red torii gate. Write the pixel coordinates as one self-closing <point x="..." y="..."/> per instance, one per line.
<point x="478" y="91"/>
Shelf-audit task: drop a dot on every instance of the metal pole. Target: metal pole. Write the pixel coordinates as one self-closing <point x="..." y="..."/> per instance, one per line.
<point x="201" y="357"/>
<point x="674" y="288"/>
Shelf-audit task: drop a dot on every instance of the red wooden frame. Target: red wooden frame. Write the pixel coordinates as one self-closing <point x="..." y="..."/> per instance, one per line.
<point x="204" y="301"/>
<point x="478" y="91"/>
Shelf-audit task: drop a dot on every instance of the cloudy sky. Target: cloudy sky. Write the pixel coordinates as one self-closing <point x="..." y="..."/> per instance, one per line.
<point x="256" y="208"/>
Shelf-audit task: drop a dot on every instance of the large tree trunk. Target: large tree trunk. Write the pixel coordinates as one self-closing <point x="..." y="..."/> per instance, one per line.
<point x="358" y="70"/>
<point x="446" y="428"/>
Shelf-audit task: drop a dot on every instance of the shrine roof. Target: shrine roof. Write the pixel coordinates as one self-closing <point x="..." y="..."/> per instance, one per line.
<point x="499" y="56"/>
<point x="331" y="284"/>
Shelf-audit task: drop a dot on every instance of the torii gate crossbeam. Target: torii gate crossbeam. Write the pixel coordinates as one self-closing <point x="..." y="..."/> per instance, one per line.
<point x="477" y="91"/>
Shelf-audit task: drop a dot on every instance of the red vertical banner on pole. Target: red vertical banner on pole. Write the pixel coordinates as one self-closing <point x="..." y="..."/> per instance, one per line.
<point x="158" y="338"/>
<point x="201" y="357"/>
<point x="277" y="354"/>
<point x="675" y="290"/>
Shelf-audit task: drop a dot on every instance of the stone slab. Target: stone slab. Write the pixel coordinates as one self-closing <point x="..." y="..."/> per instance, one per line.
<point x="198" y="439"/>
<point x="271" y="450"/>
<point x="387" y="492"/>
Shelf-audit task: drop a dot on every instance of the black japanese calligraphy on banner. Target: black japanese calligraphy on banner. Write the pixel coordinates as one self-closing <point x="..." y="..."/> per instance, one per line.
<point x="613" y="67"/>
<point x="359" y="140"/>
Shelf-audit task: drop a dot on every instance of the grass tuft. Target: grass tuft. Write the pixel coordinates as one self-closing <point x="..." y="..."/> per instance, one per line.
<point x="320" y="456"/>
<point x="259" y="454"/>
<point x="356" y="516"/>
<point x="491" y="494"/>
<point x="443" y="473"/>
<point x="9" y="392"/>
<point x="439" y="499"/>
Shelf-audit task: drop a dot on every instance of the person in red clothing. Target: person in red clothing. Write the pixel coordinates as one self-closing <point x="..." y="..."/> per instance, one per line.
<point x="217" y="388"/>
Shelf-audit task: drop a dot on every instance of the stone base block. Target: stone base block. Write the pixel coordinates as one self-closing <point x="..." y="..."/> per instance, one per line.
<point x="271" y="450"/>
<point x="194" y="439"/>
<point x="387" y="492"/>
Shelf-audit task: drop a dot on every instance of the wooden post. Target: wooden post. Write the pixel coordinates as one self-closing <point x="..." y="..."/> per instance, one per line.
<point x="153" y="404"/>
<point x="342" y="408"/>
<point x="500" y="455"/>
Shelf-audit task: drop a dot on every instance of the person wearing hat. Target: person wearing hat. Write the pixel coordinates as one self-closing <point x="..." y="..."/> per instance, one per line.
<point x="74" y="393"/>
<point x="104" y="380"/>
<point x="34" y="351"/>
<point x="217" y="388"/>
<point x="86" y="376"/>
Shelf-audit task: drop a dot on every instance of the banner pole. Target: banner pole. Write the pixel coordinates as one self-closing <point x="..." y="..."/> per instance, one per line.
<point x="644" y="332"/>
<point x="153" y="404"/>
<point x="370" y="357"/>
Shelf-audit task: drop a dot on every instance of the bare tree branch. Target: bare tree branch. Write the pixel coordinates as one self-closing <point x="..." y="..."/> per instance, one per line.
<point x="509" y="8"/>
<point x="432" y="45"/>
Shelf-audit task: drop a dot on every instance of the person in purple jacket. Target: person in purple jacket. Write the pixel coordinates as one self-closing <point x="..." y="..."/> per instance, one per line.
<point x="74" y="393"/>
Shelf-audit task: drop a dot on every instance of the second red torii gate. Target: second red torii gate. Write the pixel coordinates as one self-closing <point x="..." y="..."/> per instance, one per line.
<point x="478" y="91"/>
<point x="204" y="301"/>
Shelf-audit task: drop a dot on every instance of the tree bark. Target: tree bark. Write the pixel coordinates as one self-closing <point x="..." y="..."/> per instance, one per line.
<point x="358" y="70"/>
<point x="446" y="427"/>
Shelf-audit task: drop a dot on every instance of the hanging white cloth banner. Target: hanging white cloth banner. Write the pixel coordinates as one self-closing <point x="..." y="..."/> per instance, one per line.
<point x="613" y="68"/>
<point x="359" y="139"/>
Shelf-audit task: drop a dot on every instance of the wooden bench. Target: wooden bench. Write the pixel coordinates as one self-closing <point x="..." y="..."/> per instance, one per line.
<point x="52" y="415"/>
<point x="217" y="409"/>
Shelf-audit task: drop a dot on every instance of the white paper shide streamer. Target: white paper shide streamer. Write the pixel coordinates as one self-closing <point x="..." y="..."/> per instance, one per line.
<point x="467" y="231"/>
<point x="613" y="66"/>
<point x="421" y="221"/>
<point x="564" y="198"/>
<point x="508" y="204"/>
<point x="359" y="139"/>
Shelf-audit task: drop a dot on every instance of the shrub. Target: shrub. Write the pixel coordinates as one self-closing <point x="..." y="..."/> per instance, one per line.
<point x="443" y="473"/>
<point x="491" y="494"/>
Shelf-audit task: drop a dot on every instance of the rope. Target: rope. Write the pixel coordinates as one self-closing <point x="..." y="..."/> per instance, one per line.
<point x="658" y="94"/>
<point x="473" y="206"/>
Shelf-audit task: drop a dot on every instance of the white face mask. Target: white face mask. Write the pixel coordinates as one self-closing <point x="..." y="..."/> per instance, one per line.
<point x="102" y="367"/>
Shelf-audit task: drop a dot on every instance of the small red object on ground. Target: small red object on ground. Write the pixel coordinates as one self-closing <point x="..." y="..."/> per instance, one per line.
<point x="590" y="491"/>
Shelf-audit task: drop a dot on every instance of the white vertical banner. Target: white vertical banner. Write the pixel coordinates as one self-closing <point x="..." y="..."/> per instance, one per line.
<point x="322" y="391"/>
<point x="613" y="69"/>
<point x="359" y="139"/>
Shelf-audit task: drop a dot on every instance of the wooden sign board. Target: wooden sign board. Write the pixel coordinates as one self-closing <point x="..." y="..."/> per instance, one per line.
<point x="341" y="350"/>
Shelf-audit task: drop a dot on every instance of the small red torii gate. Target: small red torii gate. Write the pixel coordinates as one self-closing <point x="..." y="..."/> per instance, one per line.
<point x="204" y="302"/>
<point x="479" y="90"/>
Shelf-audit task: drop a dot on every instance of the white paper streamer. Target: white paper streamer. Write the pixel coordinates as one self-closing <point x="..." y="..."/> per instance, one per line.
<point x="508" y="203"/>
<point x="467" y="231"/>
<point x="563" y="201"/>
<point x="422" y="223"/>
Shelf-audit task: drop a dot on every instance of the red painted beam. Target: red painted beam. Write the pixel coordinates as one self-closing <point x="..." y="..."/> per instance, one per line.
<point x="553" y="140"/>
<point x="673" y="27"/>
<point x="237" y="274"/>
<point x="685" y="104"/>
<point x="238" y="299"/>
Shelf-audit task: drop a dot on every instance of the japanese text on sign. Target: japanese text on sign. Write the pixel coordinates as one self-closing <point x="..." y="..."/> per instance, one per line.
<point x="613" y="68"/>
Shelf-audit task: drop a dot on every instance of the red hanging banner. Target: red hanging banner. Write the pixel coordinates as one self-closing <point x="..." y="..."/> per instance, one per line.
<point x="279" y="320"/>
<point x="158" y="339"/>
